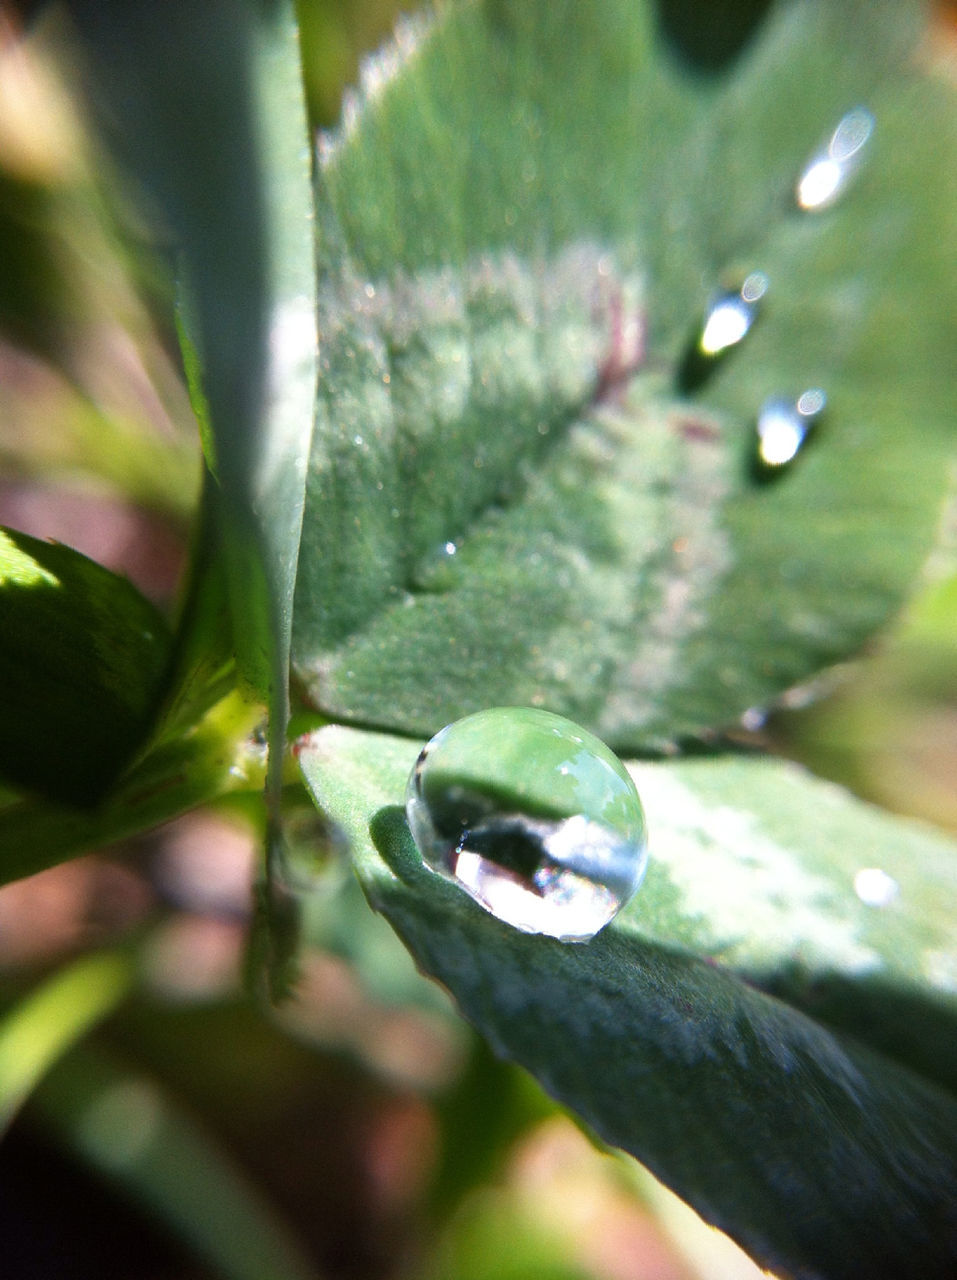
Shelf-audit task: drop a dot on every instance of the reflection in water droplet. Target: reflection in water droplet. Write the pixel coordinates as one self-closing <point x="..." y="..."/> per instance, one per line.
<point x="783" y="426"/>
<point x="827" y="173"/>
<point x="875" y="887"/>
<point x="536" y="819"/>
<point x="731" y="315"/>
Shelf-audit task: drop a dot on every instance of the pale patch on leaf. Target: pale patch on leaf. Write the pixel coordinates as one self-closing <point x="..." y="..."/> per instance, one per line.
<point x="749" y="895"/>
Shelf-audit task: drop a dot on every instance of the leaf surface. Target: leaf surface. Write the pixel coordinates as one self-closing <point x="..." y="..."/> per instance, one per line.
<point x="192" y="768"/>
<point x="203" y="104"/>
<point x="774" y="1045"/>
<point x="83" y="658"/>
<point x="517" y="494"/>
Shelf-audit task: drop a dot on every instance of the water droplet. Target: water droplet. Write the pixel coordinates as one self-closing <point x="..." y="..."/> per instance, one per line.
<point x="731" y="314"/>
<point x="828" y="172"/>
<point x="754" y="719"/>
<point x="783" y="426"/>
<point x="533" y="817"/>
<point x="875" y="887"/>
<point x="727" y="319"/>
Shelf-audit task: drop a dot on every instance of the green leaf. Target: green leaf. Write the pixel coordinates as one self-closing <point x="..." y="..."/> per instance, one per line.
<point x="128" y="1129"/>
<point x="774" y="1048"/>
<point x="49" y="1020"/>
<point x="518" y="495"/>
<point x="203" y="763"/>
<point x="83" y="658"/>
<point x="208" y="100"/>
<point x="204" y="105"/>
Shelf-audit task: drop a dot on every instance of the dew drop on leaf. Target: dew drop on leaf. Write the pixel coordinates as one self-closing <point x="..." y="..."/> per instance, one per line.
<point x="533" y="817"/>
<point x="783" y="426"/>
<point x="727" y="320"/>
<point x="875" y="887"/>
<point x="828" y="172"/>
<point x="731" y="314"/>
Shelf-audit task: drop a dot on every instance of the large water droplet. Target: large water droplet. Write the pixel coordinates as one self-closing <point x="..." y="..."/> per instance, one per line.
<point x="731" y="314"/>
<point x="828" y="172"/>
<point x="533" y="817"/>
<point x="783" y="426"/>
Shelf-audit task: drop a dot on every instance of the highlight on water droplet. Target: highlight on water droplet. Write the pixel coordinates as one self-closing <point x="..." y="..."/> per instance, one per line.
<point x="533" y="817"/>
<point x="731" y="314"/>
<point x="875" y="887"/>
<point x="728" y="318"/>
<point x="783" y="426"/>
<point x="754" y="719"/>
<point x="828" y="172"/>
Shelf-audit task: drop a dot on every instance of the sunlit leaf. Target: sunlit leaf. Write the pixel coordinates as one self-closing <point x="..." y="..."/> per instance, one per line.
<point x="765" y="1030"/>
<point x="525" y="488"/>
<point x="83" y="658"/>
<point x="201" y="764"/>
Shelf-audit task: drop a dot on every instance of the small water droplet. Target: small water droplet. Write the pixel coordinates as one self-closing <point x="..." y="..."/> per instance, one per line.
<point x="754" y="719"/>
<point x="533" y="817"/>
<point x="728" y="318"/>
<point x="783" y="426"/>
<point x="826" y="175"/>
<point x="731" y="314"/>
<point x="875" y="887"/>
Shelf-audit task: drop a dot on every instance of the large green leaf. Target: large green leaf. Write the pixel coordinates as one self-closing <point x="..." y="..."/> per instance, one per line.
<point x="518" y="494"/>
<point x="83" y="658"/>
<point x="770" y="1041"/>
